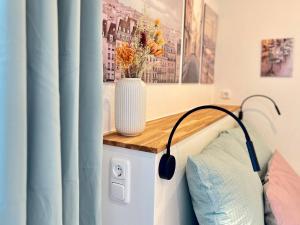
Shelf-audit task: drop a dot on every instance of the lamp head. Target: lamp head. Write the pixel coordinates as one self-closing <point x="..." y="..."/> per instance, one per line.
<point x="167" y="166"/>
<point x="277" y="109"/>
<point x="252" y="156"/>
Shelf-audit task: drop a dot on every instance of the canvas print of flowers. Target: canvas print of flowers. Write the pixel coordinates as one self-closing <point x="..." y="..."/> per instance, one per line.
<point x="277" y="57"/>
<point x="119" y="24"/>
<point x="192" y="41"/>
<point x="210" y="27"/>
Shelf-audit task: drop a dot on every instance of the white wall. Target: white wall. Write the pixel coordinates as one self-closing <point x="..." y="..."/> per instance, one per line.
<point x="162" y="99"/>
<point x="242" y="26"/>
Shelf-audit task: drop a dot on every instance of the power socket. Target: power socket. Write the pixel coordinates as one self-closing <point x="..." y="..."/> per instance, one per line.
<point x="120" y="180"/>
<point x="225" y="94"/>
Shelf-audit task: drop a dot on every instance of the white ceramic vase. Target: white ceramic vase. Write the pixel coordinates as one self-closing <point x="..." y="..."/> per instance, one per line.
<point x="130" y="106"/>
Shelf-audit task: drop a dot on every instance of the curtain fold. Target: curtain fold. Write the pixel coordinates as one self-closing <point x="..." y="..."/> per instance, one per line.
<point x="44" y="192"/>
<point x="90" y="115"/>
<point x="13" y="116"/>
<point x="50" y="112"/>
<point x="69" y="64"/>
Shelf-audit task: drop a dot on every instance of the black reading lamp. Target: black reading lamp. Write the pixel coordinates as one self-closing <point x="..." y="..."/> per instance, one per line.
<point x="241" y="113"/>
<point x="167" y="162"/>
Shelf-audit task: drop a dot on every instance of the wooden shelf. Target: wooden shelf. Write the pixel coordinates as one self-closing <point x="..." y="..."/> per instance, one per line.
<point x="156" y="134"/>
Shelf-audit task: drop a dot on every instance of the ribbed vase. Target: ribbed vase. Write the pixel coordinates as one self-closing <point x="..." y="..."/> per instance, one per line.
<point x="130" y="106"/>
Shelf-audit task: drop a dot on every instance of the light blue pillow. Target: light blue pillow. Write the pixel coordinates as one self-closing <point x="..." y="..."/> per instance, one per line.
<point x="263" y="151"/>
<point x="224" y="191"/>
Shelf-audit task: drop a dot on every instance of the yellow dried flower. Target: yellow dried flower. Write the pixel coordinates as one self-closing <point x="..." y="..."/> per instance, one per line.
<point x="160" y="41"/>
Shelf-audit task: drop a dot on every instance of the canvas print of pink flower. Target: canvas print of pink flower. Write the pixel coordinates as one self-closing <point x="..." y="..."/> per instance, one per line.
<point x="277" y="57"/>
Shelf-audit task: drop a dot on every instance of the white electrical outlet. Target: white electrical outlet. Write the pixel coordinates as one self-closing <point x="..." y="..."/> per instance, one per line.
<point x="118" y="171"/>
<point x="225" y="94"/>
<point x="120" y="180"/>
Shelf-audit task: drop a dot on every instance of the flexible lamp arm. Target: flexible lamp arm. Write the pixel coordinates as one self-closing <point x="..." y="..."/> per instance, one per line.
<point x="262" y="96"/>
<point x="168" y="163"/>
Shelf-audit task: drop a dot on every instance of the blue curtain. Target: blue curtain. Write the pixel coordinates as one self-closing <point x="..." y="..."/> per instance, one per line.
<point x="50" y="112"/>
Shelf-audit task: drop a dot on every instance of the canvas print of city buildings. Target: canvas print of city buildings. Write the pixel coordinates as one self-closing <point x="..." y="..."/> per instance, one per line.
<point x="192" y="41"/>
<point x="210" y="28"/>
<point x="119" y="22"/>
<point x="277" y="58"/>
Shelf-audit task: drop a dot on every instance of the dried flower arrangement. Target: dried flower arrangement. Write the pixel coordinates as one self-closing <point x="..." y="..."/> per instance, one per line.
<point x="146" y="42"/>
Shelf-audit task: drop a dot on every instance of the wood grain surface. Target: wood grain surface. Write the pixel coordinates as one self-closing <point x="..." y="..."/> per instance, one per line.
<point x="156" y="134"/>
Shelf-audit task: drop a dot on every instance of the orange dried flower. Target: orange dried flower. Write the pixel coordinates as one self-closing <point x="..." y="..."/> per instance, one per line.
<point x="158" y="33"/>
<point x="155" y="49"/>
<point x="125" y="55"/>
<point x="157" y="22"/>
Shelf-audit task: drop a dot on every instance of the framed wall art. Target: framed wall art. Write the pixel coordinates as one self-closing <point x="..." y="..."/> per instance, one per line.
<point x="210" y="28"/>
<point x="119" y="23"/>
<point x="277" y="57"/>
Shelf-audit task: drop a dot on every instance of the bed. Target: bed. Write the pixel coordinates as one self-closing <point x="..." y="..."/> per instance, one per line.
<point x="225" y="190"/>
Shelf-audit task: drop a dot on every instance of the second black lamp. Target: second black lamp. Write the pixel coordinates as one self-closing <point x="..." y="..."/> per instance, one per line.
<point x="241" y="113"/>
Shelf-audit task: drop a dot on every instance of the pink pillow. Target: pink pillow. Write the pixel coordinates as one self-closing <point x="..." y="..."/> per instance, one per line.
<point x="283" y="191"/>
